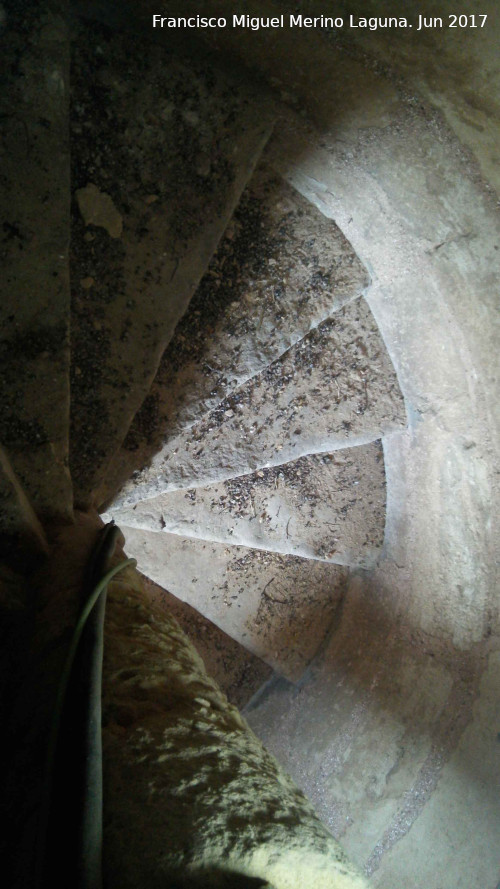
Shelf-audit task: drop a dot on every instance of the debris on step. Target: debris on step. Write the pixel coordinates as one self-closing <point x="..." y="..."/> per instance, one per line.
<point x="34" y="263"/>
<point x="280" y="270"/>
<point x="334" y="389"/>
<point x="161" y="151"/>
<point x="325" y="506"/>
<point x="238" y="672"/>
<point x="281" y="608"/>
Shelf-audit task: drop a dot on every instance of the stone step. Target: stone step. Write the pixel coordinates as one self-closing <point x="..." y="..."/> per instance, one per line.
<point x="279" y="607"/>
<point x="22" y="539"/>
<point x="281" y="269"/>
<point x="34" y="264"/>
<point x="238" y="672"/>
<point x="336" y="388"/>
<point x="161" y="152"/>
<point x="327" y="506"/>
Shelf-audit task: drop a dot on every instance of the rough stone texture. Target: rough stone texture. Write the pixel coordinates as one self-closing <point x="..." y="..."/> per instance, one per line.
<point x="327" y="506"/>
<point x="412" y="201"/>
<point x="191" y="796"/>
<point x="35" y="300"/>
<point x="279" y="607"/>
<point x="421" y="219"/>
<point x="280" y="270"/>
<point x="335" y="388"/>
<point x="22" y="539"/>
<point x="460" y="77"/>
<point x="98" y="209"/>
<point x="389" y="705"/>
<point x="237" y="672"/>
<point x="442" y="473"/>
<point x="54" y="600"/>
<point x="162" y="150"/>
<point x="411" y="198"/>
<point x="469" y="789"/>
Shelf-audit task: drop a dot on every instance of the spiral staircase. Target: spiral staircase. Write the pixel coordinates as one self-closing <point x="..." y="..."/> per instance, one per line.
<point x="215" y="380"/>
<point x="260" y="435"/>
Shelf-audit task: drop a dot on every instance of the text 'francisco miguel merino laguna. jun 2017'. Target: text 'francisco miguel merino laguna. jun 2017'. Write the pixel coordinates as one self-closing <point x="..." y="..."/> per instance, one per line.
<point x="372" y="23"/>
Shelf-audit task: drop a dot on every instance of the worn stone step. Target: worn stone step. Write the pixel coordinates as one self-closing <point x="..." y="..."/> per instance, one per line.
<point x="238" y="672"/>
<point x="336" y="388"/>
<point x="325" y="506"/>
<point x="34" y="264"/>
<point x="280" y="270"/>
<point x="278" y="607"/>
<point x="22" y="539"/>
<point x="161" y="152"/>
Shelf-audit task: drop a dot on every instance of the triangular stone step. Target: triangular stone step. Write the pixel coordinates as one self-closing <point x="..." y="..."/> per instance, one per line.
<point x="238" y="672"/>
<point x="325" y="506"/>
<point x="161" y="152"/>
<point x="281" y="269"/>
<point x="279" y="607"/>
<point x="34" y="265"/>
<point x="334" y="389"/>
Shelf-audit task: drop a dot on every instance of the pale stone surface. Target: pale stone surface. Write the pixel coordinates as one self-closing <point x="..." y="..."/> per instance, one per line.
<point x="279" y="607"/>
<point x="22" y="539"/>
<point x="327" y="506"/>
<point x="463" y="815"/>
<point x="34" y="273"/>
<point x="280" y="270"/>
<point x="191" y="796"/>
<point x="169" y="145"/>
<point x="335" y="388"/>
<point x="417" y="214"/>
<point x="384" y="715"/>
<point x="238" y="673"/>
<point x="189" y="790"/>
<point x="413" y="204"/>
<point x="441" y="514"/>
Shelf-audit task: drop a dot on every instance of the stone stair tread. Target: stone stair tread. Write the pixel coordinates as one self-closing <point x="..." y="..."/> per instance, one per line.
<point x="281" y="268"/>
<point x="34" y="264"/>
<point x="161" y="152"/>
<point x="336" y="388"/>
<point x="238" y="672"/>
<point x="324" y="506"/>
<point x="22" y="539"/>
<point x="278" y="607"/>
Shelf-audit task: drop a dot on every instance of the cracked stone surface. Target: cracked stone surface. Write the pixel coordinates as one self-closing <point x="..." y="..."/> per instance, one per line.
<point x="335" y="388"/>
<point x="35" y="301"/>
<point x="281" y="608"/>
<point x="280" y="270"/>
<point x="238" y="672"/>
<point x="326" y="506"/>
<point x="161" y="151"/>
